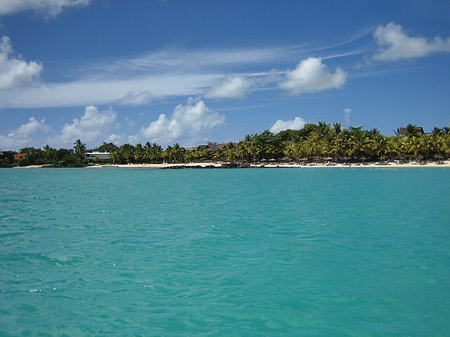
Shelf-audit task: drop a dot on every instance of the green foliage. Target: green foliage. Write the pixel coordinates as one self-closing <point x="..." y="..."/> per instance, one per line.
<point x="107" y="147"/>
<point x="80" y="148"/>
<point x="24" y="162"/>
<point x="7" y="158"/>
<point x="313" y="142"/>
<point x="76" y="164"/>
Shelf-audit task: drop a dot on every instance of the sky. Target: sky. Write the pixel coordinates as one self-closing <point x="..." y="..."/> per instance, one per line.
<point x="192" y="72"/>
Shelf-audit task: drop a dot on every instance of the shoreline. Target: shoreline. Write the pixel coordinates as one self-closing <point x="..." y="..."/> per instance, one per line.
<point x="207" y="165"/>
<point x="215" y="165"/>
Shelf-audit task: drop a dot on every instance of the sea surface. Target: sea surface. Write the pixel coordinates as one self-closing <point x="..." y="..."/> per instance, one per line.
<point x="238" y="252"/>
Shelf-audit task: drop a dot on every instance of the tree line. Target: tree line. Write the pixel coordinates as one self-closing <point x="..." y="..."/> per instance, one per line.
<point x="314" y="142"/>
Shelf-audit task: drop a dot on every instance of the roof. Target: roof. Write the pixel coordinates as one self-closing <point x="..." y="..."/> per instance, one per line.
<point x="19" y="155"/>
<point x="212" y="147"/>
<point x="402" y="131"/>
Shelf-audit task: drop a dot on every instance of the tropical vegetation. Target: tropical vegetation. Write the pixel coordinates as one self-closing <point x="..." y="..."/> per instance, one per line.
<point x="314" y="142"/>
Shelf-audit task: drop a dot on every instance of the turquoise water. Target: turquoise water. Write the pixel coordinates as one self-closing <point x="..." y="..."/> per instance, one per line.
<point x="245" y="252"/>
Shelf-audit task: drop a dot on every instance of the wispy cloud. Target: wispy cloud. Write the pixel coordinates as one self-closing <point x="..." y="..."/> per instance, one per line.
<point x="139" y="97"/>
<point x="138" y="81"/>
<point x="347" y="112"/>
<point x="178" y="60"/>
<point x="215" y="73"/>
<point x="97" y="92"/>
<point x="351" y="53"/>
<point x="46" y="7"/>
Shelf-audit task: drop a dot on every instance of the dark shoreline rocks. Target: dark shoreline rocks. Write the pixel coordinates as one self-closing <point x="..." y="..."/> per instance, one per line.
<point x="196" y="167"/>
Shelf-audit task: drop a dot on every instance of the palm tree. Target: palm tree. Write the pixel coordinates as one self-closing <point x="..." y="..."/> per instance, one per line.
<point x="444" y="145"/>
<point x="411" y="146"/>
<point x="393" y="147"/>
<point x="80" y="148"/>
<point x="437" y="131"/>
<point x="360" y="145"/>
<point x="412" y="131"/>
<point x="48" y="154"/>
<point x="428" y="146"/>
<point x="167" y="154"/>
<point x="337" y="128"/>
<point x="271" y="151"/>
<point x="139" y="153"/>
<point x="178" y="153"/>
<point x="126" y="153"/>
<point x="230" y="152"/>
<point x="379" y="145"/>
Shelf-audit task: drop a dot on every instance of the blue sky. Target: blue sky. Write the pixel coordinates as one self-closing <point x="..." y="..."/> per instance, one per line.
<point x="189" y="72"/>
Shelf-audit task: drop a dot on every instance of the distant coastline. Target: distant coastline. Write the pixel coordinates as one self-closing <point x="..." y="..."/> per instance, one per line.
<point x="315" y="145"/>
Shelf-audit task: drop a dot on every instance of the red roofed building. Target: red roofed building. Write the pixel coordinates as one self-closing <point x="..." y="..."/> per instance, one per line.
<point x="19" y="156"/>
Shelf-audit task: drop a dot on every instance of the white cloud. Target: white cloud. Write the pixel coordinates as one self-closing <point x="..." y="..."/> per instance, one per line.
<point x="395" y="44"/>
<point x="231" y="87"/>
<point x="138" y="81"/>
<point x="311" y="76"/>
<point x="134" y="81"/>
<point x="115" y="139"/>
<point x="108" y="91"/>
<point x="137" y="97"/>
<point x="48" y="7"/>
<point x="33" y="126"/>
<point x="296" y="124"/>
<point x="187" y="122"/>
<point x="273" y="76"/>
<point x="21" y="136"/>
<point x="15" y="72"/>
<point x="197" y="60"/>
<point x="89" y="128"/>
<point x="347" y="112"/>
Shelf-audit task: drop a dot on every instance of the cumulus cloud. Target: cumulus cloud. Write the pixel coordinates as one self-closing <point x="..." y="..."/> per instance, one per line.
<point x="23" y="135"/>
<point x="14" y="71"/>
<point x="48" y="7"/>
<point x="395" y="44"/>
<point x="33" y="126"/>
<point x="347" y="112"/>
<point x="231" y="87"/>
<point x="89" y="127"/>
<point x="188" y="121"/>
<point x="94" y="126"/>
<point x="311" y="76"/>
<point x="296" y="124"/>
<point x="115" y="139"/>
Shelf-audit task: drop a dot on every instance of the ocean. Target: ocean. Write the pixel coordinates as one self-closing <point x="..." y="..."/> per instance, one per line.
<point x="225" y="252"/>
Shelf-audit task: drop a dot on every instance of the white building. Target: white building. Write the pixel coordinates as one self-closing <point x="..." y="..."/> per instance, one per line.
<point x="99" y="155"/>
